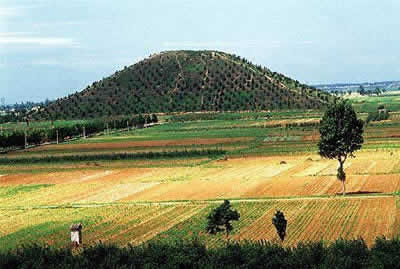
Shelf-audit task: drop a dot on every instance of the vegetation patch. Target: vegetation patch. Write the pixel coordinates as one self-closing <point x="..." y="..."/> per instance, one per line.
<point x="19" y="189"/>
<point x="114" y="157"/>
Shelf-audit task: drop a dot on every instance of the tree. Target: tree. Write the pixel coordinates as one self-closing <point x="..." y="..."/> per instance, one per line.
<point x="280" y="224"/>
<point x="362" y="90"/>
<point x="147" y="119"/>
<point x="139" y="120"/>
<point x="220" y="219"/>
<point x="341" y="135"/>
<point x="154" y="118"/>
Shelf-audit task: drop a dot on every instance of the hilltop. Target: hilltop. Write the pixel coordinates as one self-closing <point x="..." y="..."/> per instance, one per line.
<point x="187" y="81"/>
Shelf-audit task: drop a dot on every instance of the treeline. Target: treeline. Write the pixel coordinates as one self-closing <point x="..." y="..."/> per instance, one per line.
<point x="11" y="117"/>
<point x="340" y="254"/>
<point x="115" y="156"/>
<point x="37" y="136"/>
<point x="377" y="116"/>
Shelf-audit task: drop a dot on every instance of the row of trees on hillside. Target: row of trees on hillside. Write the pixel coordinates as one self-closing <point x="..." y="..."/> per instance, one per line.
<point x="187" y="81"/>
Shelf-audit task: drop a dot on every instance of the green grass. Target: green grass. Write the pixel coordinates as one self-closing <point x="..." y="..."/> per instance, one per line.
<point x="38" y="168"/>
<point x="115" y="156"/>
<point x="10" y="191"/>
<point x="30" y="234"/>
<point x="196" y="130"/>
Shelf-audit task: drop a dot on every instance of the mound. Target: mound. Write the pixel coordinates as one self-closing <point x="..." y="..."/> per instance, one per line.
<point x="187" y="81"/>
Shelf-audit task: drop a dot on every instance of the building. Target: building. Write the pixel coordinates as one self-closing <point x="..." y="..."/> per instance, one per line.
<point x="76" y="234"/>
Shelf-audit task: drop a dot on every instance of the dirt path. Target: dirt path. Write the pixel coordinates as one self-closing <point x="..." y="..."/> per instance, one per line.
<point x="180" y="76"/>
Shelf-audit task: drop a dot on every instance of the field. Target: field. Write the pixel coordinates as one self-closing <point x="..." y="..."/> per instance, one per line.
<point x="370" y="103"/>
<point x="268" y="164"/>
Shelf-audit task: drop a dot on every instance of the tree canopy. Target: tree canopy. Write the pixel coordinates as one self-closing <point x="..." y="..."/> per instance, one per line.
<point x="280" y="224"/>
<point x="221" y="217"/>
<point x="341" y="131"/>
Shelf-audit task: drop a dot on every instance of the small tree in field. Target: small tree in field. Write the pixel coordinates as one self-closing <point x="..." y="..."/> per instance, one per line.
<point x="341" y="135"/>
<point x="220" y="219"/>
<point x="280" y="224"/>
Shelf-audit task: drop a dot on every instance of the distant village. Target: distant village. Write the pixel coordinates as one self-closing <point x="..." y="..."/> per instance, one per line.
<point x="357" y="89"/>
<point x="19" y="110"/>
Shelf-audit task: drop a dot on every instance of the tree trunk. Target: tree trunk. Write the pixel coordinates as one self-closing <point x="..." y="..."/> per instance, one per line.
<point x="343" y="188"/>
<point x="342" y="176"/>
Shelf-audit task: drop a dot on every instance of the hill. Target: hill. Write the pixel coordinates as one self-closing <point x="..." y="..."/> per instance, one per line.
<point x="187" y="81"/>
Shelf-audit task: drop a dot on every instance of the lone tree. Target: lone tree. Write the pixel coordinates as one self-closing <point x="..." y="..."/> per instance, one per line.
<point x="341" y="135"/>
<point x="220" y="219"/>
<point x="280" y="224"/>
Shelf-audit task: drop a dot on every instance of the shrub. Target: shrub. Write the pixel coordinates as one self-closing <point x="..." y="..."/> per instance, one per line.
<point x="193" y="254"/>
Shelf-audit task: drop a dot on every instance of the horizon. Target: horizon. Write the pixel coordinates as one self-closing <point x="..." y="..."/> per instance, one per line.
<point x="50" y="49"/>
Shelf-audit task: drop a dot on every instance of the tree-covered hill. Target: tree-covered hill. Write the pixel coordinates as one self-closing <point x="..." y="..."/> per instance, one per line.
<point x="187" y="81"/>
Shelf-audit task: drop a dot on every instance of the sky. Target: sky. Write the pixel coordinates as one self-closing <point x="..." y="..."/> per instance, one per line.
<point x="51" y="48"/>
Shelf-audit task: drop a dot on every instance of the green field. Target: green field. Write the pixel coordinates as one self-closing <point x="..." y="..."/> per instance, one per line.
<point x="390" y="100"/>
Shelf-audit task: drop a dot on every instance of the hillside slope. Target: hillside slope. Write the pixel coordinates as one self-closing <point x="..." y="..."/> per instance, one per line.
<point x="187" y="81"/>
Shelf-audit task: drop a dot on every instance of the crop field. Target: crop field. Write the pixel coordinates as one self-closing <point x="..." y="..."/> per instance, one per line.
<point x="309" y="219"/>
<point x="264" y="164"/>
<point x="132" y="223"/>
<point x="203" y="179"/>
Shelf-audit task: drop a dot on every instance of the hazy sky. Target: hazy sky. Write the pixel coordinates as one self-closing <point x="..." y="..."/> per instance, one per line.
<point x="50" y="48"/>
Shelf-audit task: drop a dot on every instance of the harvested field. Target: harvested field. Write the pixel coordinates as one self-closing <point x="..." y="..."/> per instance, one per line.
<point x="110" y="224"/>
<point x="346" y="218"/>
<point x="249" y="177"/>
<point x="284" y="122"/>
<point x="308" y="219"/>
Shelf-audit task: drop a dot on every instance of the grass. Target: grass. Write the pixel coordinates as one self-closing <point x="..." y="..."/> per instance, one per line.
<point x="40" y="168"/>
<point x="115" y="157"/>
<point x="366" y="104"/>
<point x="9" y="191"/>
